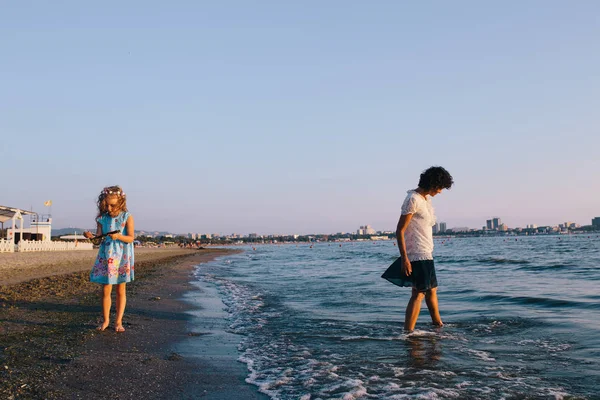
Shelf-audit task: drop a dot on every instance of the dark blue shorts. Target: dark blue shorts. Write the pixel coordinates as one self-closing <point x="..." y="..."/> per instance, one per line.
<point x="422" y="278"/>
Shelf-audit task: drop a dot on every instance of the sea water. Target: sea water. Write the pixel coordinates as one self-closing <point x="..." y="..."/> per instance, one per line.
<point x="521" y="320"/>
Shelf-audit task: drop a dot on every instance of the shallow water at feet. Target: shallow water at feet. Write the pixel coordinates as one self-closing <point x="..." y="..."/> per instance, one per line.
<point x="521" y="320"/>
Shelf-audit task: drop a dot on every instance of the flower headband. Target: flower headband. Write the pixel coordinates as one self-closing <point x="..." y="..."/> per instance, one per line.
<point x="118" y="192"/>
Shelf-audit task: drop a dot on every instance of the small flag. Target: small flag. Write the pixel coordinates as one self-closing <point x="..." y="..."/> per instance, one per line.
<point x="48" y="203"/>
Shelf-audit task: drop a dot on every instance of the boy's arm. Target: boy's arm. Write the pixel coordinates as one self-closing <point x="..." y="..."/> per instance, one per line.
<point x="400" y="229"/>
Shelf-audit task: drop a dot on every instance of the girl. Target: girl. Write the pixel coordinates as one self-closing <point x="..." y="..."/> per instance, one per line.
<point x="114" y="264"/>
<point x="414" y="234"/>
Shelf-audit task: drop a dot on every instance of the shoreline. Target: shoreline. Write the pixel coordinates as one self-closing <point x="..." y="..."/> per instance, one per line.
<point x="218" y="348"/>
<point x="49" y="347"/>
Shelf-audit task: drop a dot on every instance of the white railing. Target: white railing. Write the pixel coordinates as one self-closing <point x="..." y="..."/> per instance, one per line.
<point x="7" y="246"/>
<point x="38" y="245"/>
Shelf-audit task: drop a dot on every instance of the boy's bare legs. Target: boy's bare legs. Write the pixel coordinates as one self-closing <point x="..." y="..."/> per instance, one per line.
<point x="412" y="310"/>
<point x="432" y="304"/>
<point x="121" y="301"/>
<point x="106" y="303"/>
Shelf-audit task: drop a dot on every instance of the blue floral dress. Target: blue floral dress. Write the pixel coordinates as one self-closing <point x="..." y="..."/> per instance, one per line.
<point x="115" y="260"/>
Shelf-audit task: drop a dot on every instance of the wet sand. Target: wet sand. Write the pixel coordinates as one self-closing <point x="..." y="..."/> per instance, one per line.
<point x="173" y="348"/>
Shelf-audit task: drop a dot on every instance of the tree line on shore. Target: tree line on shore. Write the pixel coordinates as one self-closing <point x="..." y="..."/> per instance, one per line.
<point x="181" y="239"/>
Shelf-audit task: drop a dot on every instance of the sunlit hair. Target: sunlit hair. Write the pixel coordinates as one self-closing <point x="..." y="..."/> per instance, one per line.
<point x="111" y="191"/>
<point x="435" y="178"/>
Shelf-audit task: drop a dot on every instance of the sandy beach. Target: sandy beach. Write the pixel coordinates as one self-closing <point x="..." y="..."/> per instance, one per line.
<point x="21" y="267"/>
<point x="49" y="347"/>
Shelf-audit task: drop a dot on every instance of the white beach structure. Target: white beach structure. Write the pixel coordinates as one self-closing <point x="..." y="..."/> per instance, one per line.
<point x="15" y="216"/>
<point x="35" y="238"/>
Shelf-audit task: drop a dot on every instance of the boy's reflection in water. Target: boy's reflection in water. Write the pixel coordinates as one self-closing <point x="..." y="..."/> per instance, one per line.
<point x="423" y="351"/>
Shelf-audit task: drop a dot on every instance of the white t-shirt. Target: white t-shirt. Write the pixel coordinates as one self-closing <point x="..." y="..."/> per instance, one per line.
<point x="418" y="236"/>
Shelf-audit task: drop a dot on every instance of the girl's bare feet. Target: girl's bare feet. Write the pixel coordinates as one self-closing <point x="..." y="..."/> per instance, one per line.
<point x="102" y="327"/>
<point x="119" y="328"/>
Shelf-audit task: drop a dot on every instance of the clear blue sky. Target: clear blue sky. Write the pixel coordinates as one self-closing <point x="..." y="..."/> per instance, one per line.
<point x="300" y="117"/>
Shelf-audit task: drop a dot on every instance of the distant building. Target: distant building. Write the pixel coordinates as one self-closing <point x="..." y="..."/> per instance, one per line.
<point x="503" y="227"/>
<point x="380" y="238"/>
<point x="40" y="229"/>
<point x="436" y="228"/>
<point x="461" y="229"/>
<point x="496" y="222"/>
<point x="253" y="235"/>
<point x="365" y="230"/>
<point x="490" y="224"/>
<point x="442" y="227"/>
<point x="596" y="223"/>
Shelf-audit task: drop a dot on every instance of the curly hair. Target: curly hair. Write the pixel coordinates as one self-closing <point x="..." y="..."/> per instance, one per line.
<point x="435" y="178"/>
<point x="111" y="191"/>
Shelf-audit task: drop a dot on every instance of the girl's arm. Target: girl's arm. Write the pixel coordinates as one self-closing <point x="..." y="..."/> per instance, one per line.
<point x="129" y="232"/>
<point x="89" y="235"/>
<point x="400" y="229"/>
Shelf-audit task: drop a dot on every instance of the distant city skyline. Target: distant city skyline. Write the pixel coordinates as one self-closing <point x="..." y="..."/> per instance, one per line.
<point x="296" y="117"/>
<point x="439" y="227"/>
<point x="494" y="223"/>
